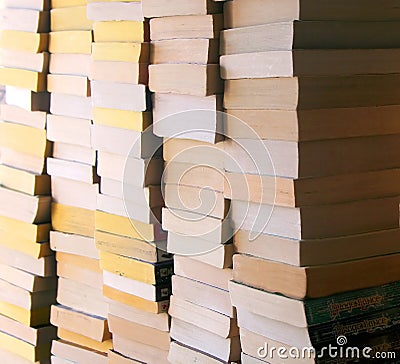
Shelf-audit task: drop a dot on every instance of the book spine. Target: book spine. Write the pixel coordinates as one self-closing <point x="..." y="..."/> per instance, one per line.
<point x="351" y="304"/>
<point x="163" y="272"/>
<point x="163" y="292"/>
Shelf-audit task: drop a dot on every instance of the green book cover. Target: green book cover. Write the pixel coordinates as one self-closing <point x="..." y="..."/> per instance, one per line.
<point x="350" y="304"/>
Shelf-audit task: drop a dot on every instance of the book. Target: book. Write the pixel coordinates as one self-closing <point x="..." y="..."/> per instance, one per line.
<point x="197" y="51"/>
<point x="71" y="42"/>
<point x="26" y="99"/>
<point x="154" y="9"/>
<point x="25" y="42"/>
<point x="78" y="339"/>
<point x="241" y="13"/>
<point x="112" y="11"/>
<point x="37" y="62"/>
<point x="295" y="34"/>
<point x="28" y="4"/>
<point x="121" y="31"/>
<point x="121" y="52"/>
<point x="74" y="153"/>
<point x="70" y="64"/>
<point x="74" y="353"/>
<point x="71" y="106"/>
<point x="301" y="285"/>
<point x="35" y="119"/>
<point x="26" y="79"/>
<point x="70" y="18"/>
<point x="71" y="170"/>
<point x="25" y="20"/>
<point x="131" y="120"/>
<point x="190" y="27"/>
<point x="74" y="244"/>
<point x="120" y="72"/>
<point x="68" y="85"/>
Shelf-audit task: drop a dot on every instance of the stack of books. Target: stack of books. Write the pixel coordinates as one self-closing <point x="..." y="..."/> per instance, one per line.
<point x="315" y="200"/>
<point x="81" y="313"/>
<point x="27" y="266"/>
<point x="136" y="269"/>
<point x="184" y="76"/>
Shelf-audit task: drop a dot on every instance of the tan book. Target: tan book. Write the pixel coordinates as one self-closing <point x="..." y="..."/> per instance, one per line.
<point x="25" y="280"/>
<point x="71" y="106"/>
<point x="311" y="252"/>
<point x="185" y="27"/>
<point x="37" y="62"/>
<point x="303" y="125"/>
<point x="315" y="222"/>
<point x="69" y="130"/>
<point x="70" y="64"/>
<point x="206" y="341"/>
<point x="14" y="114"/>
<point x="28" y="4"/>
<point x="42" y="267"/>
<point x="70" y="295"/>
<point x="10" y="357"/>
<point x="79" y="274"/>
<point x="293" y="93"/>
<point x="156" y="321"/>
<point x="290" y="35"/>
<point x="154" y="9"/>
<point x="312" y="191"/>
<point x="77" y="353"/>
<point x="73" y="244"/>
<point x="131" y="120"/>
<point x="197" y="51"/>
<point x="34" y="336"/>
<point x="187" y="174"/>
<point x="201" y="250"/>
<point x="113" y="166"/>
<point x="139" y="333"/>
<point x="67" y="3"/>
<point x="68" y="85"/>
<point x="116" y="358"/>
<point x="188" y="117"/>
<point x="205" y="227"/>
<point x="120" y="96"/>
<point x="74" y="153"/>
<point x="23" y="161"/>
<point x="141" y="352"/>
<point x="120" y="72"/>
<point x="203" y="295"/>
<point x="328" y="62"/>
<point x="310" y="159"/>
<point x="20" y="206"/>
<point x="25" y="20"/>
<point x="243" y="13"/>
<point x="191" y="79"/>
<point x="110" y="11"/>
<point x="93" y="327"/>
<point x="182" y="354"/>
<point x="204" y="318"/>
<point x="17" y="296"/>
<point x="85" y="194"/>
<point x="141" y="145"/>
<point x="71" y="170"/>
<point x="318" y="281"/>
<point x="31" y="318"/>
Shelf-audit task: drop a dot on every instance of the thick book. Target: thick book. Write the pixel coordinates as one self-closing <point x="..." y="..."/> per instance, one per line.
<point x="155" y="9"/>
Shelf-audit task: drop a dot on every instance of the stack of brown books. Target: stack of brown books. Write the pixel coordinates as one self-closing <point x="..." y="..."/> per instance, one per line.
<point x="80" y="315"/>
<point x="315" y="206"/>
<point x="136" y="269"/>
<point x="27" y="266"/>
<point x="184" y="76"/>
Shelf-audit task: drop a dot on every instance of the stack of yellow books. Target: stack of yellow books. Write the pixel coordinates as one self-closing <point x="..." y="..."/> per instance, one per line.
<point x="136" y="271"/>
<point x="27" y="265"/>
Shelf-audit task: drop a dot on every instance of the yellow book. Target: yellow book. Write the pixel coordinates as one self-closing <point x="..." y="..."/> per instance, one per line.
<point x="121" y="52"/>
<point x="81" y="340"/>
<point x="24" y="41"/>
<point x="70" y="18"/>
<point x="111" y="1"/>
<point x="24" y="349"/>
<point x="33" y="249"/>
<point x="71" y="42"/>
<point x="123" y="119"/>
<point x="126" y="227"/>
<point x="128" y="267"/>
<point x="73" y="220"/>
<point x="24" y="139"/>
<point x="23" y="181"/>
<point x="135" y="301"/>
<point x="30" y="80"/>
<point x="23" y="231"/>
<point x="121" y="31"/>
<point x="67" y="3"/>
<point x="32" y="318"/>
